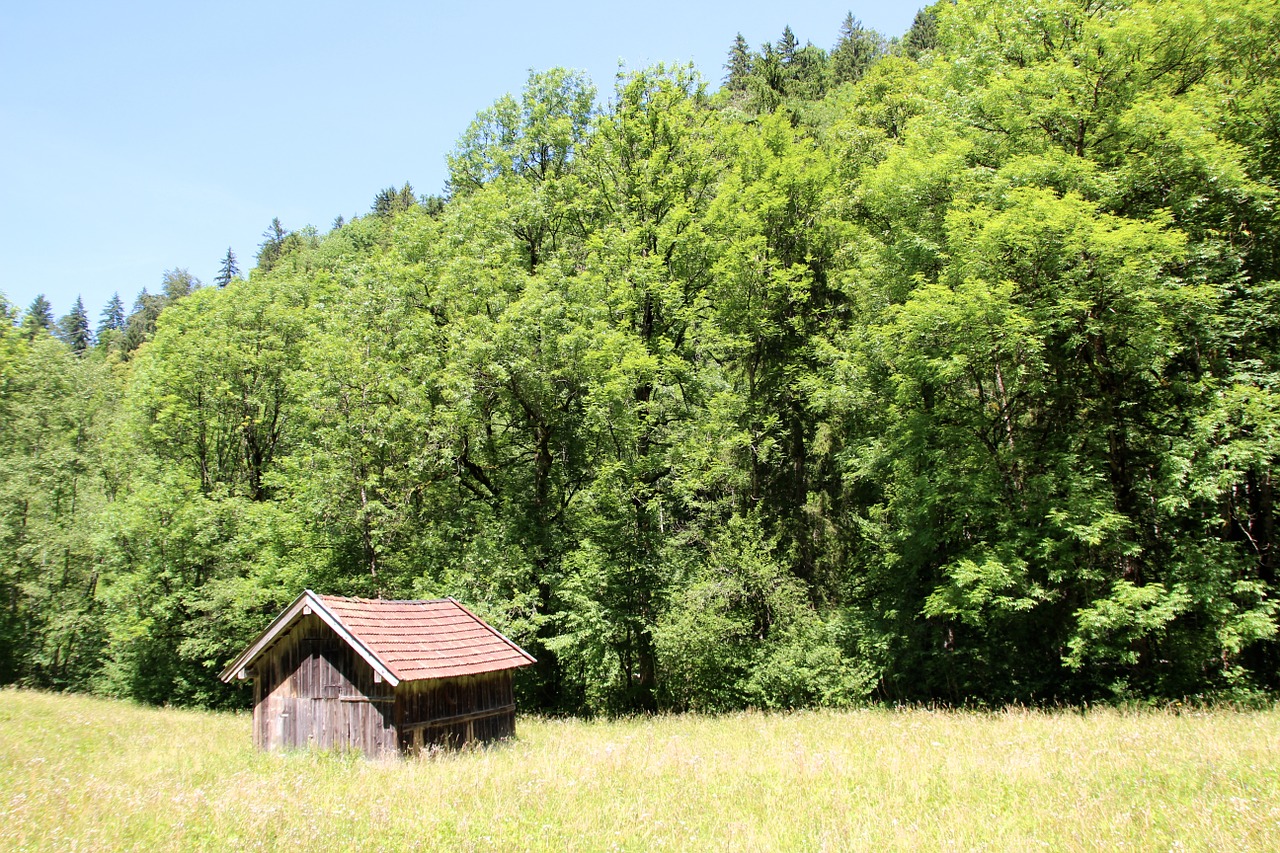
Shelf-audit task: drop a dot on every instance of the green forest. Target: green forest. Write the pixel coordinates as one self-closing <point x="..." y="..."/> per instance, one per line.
<point x="939" y="368"/>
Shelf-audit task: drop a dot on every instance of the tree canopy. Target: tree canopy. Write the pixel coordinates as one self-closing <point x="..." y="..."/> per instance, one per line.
<point x="932" y="369"/>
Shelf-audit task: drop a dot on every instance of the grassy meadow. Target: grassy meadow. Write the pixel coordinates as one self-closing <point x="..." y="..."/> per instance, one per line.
<point x="80" y="773"/>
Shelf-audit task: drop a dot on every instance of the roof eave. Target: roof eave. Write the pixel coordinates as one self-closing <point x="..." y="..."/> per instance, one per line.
<point x="529" y="659"/>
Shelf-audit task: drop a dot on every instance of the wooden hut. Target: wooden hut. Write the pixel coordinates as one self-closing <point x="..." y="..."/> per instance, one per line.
<point x="378" y="676"/>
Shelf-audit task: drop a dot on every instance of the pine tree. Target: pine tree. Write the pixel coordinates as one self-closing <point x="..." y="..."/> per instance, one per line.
<point x="391" y="201"/>
<point x="141" y="324"/>
<point x="433" y="204"/>
<point x="39" y="317"/>
<point x="407" y="199"/>
<point x="272" y="244"/>
<point x="768" y="68"/>
<point x="112" y="317"/>
<point x="856" y="50"/>
<point x="73" y="329"/>
<point x="229" y="270"/>
<point x="923" y="35"/>
<point x="384" y="202"/>
<point x="787" y="45"/>
<point x="738" y="66"/>
<point x="806" y="76"/>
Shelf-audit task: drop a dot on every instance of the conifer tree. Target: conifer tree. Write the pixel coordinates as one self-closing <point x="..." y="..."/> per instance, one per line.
<point x="923" y="35"/>
<point x="787" y="46"/>
<point x="738" y="66"/>
<point x="406" y="198"/>
<point x="39" y="316"/>
<point x="391" y="201"/>
<point x="856" y="50"/>
<point x="807" y="74"/>
<point x="433" y="204"/>
<point x="141" y="324"/>
<point x="384" y="202"/>
<point x="228" y="271"/>
<point x="768" y="78"/>
<point x="272" y="244"/>
<point x="112" y="317"/>
<point x="73" y="329"/>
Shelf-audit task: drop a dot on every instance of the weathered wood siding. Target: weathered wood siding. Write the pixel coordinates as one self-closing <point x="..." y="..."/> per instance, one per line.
<point x="453" y="711"/>
<point x="312" y="689"/>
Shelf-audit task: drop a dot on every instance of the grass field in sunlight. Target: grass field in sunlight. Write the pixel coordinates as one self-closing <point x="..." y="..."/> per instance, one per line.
<point x="84" y="773"/>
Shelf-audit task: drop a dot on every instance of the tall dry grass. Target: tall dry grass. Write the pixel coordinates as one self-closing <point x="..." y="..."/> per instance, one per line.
<point x="81" y="773"/>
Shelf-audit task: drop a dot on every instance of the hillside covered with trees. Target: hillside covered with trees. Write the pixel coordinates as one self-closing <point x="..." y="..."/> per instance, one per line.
<point x="941" y="368"/>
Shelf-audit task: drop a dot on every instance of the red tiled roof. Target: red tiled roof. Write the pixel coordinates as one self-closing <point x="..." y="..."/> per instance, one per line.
<point x="401" y="640"/>
<point x="426" y="639"/>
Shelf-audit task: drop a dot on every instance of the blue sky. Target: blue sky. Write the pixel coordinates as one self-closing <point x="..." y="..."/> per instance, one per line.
<point x="140" y="137"/>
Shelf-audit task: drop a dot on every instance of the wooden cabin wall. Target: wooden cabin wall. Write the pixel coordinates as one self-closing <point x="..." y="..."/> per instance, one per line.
<point x="453" y="711"/>
<point x="312" y="689"/>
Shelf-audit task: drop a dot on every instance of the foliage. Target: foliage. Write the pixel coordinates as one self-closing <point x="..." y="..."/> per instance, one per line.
<point x="932" y="370"/>
<point x="534" y="138"/>
<point x="56" y="411"/>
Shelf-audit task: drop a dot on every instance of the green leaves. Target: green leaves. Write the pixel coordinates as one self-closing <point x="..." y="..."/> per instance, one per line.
<point x="213" y="384"/>
<point x="958" y="383"/>
<point x="1114" y="628"/>
<point x="980" y="594"/>
<point x="534" y="138"/>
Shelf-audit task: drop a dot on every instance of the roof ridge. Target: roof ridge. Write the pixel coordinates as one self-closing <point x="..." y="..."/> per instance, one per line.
<point x="388" y="600"/>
